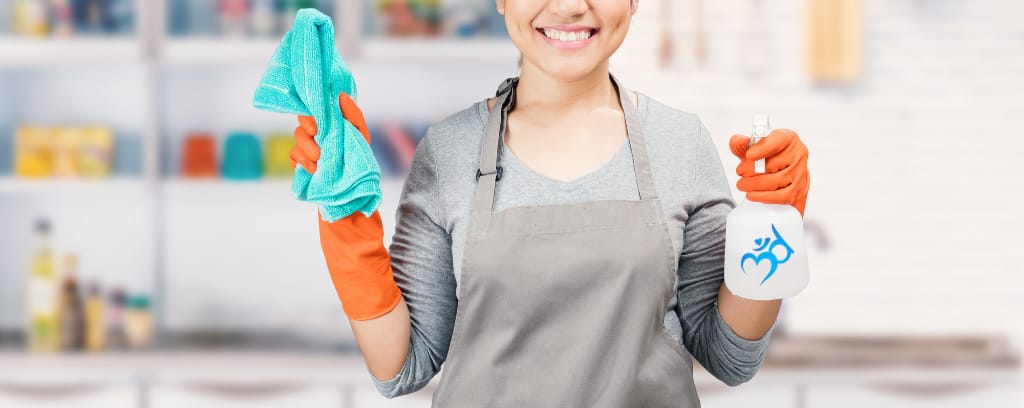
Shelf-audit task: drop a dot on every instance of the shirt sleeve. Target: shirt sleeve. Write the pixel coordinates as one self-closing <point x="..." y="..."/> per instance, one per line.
<point x="727" y="356"/>
<point x="421" y="260"/>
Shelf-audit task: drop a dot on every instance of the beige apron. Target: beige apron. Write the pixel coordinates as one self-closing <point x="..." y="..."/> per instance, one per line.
<point x="563" y="305"/>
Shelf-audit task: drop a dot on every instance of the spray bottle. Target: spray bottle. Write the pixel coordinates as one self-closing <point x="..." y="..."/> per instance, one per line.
<point x="765" y="256"/>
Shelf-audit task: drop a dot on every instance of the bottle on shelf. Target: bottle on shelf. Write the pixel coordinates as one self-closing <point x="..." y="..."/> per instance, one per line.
<point x="291" y="8"/>
<point x="95" y="326"/>
<point x="71" y="314"/>
<point x="116" y="331"/>
<point x="61" y="18"/>
<point x="88" y="16"/>
<point x="233" y="14"/>
<point x="138" y="322"/>
<point x="96" y="151"/>
<point x="765" y="255"/>
<point x="119" y="16"/>
<point x="42" y="296"/>
<point x="30" y="18"/>
<point x="67" y="144"/>
<point x="33" y="152"/>
<point x="202" y="17"/>
<point x="263" y="18"/>
<point x="6" y="18"/>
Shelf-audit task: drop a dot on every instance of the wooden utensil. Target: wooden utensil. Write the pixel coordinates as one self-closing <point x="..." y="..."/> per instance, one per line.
<point x="665" y="49"/>
<point x="834" y="40"/>
<point x="700" y="50"/>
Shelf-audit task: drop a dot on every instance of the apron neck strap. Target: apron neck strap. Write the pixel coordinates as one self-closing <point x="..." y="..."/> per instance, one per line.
<point x="497" y="121"/>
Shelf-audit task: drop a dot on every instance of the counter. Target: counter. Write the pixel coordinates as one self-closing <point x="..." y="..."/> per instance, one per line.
<point x="798" y="373"/>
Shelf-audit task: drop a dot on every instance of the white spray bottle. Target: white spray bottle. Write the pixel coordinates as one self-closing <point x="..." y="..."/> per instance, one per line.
<point x="765" y="253"/>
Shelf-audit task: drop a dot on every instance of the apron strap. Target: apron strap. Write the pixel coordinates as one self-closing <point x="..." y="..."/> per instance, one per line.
<point x="637" y="143"/>
<point x="497" y="120"/>
<point x="489" y="172"/>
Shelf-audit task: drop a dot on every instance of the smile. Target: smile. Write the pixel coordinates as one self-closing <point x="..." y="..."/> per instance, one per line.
<point x="568" y="37"/>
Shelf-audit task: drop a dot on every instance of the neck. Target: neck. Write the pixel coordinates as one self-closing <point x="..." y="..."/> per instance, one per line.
<point x="537" y="89"/>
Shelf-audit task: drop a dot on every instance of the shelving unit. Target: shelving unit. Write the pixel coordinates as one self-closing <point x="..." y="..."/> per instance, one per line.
<point x="197" y="83"/>
<point x="15" y="51"/>
<point x="112" y="186"/>
<point x="211" y="51"/>
<point x="439" y="50"/>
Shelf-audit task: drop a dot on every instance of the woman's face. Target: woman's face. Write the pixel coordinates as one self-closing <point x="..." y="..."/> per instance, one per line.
<point x="567" y="39"/>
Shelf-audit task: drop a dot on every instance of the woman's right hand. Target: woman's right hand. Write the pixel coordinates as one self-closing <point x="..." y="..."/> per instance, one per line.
<point x="306" y="152"/>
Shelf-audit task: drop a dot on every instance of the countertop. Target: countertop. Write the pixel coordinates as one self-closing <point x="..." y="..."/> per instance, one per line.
<point x="804" y="360"/>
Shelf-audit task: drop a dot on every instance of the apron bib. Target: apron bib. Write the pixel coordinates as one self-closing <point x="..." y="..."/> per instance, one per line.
<point x="563" y="305"/>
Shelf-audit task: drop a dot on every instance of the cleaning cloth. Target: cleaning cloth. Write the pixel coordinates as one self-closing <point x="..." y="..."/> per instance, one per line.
<point x="304" y="77"/>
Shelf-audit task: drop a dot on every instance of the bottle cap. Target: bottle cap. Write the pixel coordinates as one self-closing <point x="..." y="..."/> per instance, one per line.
<point x="761" y="125"/>
<point x="43" y="226"/>
<point x="140" y="302"/>
<point x="761" y="130"/>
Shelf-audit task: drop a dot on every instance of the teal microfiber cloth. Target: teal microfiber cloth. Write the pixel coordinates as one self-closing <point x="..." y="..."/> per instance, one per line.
<point x="304" y="77"/>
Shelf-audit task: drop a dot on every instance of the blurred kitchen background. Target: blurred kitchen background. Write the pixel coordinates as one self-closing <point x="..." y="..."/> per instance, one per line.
<point x="145" y="200"/>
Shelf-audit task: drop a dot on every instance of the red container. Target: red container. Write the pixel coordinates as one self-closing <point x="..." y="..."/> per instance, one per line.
<point x="199" y="156"/>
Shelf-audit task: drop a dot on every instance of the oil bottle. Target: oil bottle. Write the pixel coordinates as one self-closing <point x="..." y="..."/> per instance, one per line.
<point x="42" y="294"/>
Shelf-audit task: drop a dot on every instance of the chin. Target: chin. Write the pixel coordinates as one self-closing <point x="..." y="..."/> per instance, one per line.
<point x="568" y="69"/>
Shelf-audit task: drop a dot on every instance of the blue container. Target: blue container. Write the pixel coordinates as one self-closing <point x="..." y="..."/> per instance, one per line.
<point x="382" y="152"/>
<point x="119" y="17"/>
<point x="127" y="154"/>
<point x="243" y="157"/>
<point x="417" y="130"/>
<point x="6" y="18"/>
<point x="203" y="17"/>
<point x="495" y="22"/>
<point x="177" y="18"/>
<point x="6" y="151"/>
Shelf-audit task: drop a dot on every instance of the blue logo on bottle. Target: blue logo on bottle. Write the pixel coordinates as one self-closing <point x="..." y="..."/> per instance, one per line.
<point x="766" y="246"/>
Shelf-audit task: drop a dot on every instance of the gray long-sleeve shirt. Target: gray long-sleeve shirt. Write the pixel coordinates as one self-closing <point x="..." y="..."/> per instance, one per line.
<point x="434" y="209"/>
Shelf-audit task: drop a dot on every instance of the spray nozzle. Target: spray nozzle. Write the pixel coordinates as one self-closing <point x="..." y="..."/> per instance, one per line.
<point x="761" y="130"/>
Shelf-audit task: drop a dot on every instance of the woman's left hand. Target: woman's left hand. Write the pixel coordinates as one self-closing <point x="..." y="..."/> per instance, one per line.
<point x="785" y="180"/>
<point x="306" y="152"/>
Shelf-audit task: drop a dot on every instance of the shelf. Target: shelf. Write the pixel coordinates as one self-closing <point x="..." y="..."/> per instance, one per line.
<point x="201" y="51"/>
<point x="34" y="51"/>
<point x="108" y="186"/>
<point x="215" y="186"/>
<point x="427" y="49"/>
<point x="136" y="185"/>
<point x="267" y="185"/>
<point x="217" y="50"/>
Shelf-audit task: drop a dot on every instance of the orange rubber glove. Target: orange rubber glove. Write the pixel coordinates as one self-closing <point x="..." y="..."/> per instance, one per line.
<point x="353" y="246"/>
<point x="785" y="180"/>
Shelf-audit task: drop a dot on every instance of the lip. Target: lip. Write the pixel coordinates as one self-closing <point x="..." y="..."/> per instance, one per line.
<point x="568" y="28"/>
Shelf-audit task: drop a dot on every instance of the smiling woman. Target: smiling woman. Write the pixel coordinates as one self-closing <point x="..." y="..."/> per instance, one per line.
<point x="560" y="244"/>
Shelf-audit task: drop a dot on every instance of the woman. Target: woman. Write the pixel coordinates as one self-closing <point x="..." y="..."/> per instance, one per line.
<point x="560" y="244"/>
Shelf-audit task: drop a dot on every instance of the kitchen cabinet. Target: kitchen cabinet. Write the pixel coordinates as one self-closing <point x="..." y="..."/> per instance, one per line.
<point x="69" y="395"/>
<point x="247" y="395"/>
<point x="765" y="396"/>
<point x="964" y="394"/>
<point x="368" y="397"/>
<point x="287" y="379"/>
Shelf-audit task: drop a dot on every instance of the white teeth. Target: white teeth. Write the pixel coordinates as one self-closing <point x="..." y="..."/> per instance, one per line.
<point x="566" y="36"/>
